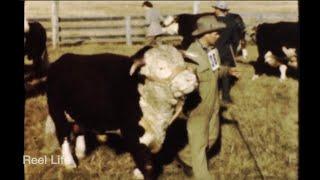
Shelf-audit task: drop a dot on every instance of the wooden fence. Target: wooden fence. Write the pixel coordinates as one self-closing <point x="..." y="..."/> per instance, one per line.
<point x="121" y="29"/>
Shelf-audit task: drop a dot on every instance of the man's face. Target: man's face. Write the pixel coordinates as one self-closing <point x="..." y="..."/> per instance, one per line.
<point x="212" y="38"/>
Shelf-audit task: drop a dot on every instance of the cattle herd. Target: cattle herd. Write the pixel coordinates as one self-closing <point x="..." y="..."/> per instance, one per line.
<point x="138" y="96"/>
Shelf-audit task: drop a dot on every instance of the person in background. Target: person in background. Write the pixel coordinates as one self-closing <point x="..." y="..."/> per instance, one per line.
<point x="153" y="20"/>
<point x="203" y="121"/>
<point x="227" y="44"/>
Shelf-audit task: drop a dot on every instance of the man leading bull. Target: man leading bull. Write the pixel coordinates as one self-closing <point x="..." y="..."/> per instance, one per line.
<point x="203" y="121"/>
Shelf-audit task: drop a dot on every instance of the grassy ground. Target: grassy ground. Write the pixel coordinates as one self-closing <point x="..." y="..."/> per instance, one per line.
<point x="267" y="112"/>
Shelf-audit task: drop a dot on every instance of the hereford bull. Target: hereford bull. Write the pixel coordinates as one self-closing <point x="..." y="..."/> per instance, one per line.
<point x="103" y="93"/>
<point x="278" y="47"/>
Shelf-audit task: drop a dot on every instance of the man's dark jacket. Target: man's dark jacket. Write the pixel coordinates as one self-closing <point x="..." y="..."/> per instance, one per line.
<point x="229" y="36"/>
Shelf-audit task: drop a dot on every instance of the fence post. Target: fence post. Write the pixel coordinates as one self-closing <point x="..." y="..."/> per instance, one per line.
<point x="196" y="7"/>
<point x="55" y="24"/>
<point x="128" y="30"/>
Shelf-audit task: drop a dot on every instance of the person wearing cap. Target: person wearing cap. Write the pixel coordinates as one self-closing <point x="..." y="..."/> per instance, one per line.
<point x="203" y="121"/>
<point x="227" y="43"/>
<point x="153" y="20"/>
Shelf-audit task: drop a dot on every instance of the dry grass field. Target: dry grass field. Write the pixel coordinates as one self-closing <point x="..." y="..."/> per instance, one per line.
<point x="266" y="110"/>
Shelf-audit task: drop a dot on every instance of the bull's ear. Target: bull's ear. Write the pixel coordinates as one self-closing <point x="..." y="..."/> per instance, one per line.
<point x="189" y="57"/>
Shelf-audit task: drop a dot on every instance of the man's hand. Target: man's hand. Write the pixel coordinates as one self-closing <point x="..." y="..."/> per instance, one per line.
<point x="234" y="72"/>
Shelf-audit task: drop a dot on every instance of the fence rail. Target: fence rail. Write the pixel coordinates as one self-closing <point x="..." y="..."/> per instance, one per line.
<point x="131" y="28"/>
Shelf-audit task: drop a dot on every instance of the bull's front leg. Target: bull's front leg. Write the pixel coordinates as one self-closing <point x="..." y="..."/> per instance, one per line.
<point x="243" y="45"/>
<point x="147" y="138"/>
<point x="80" y="148"/>
<point x="258" y="68"/>
<point x="283" y="71"/>
<point x="63" y="130"/>
<point x="140" y="153"/>
<point x="66" y="152"/>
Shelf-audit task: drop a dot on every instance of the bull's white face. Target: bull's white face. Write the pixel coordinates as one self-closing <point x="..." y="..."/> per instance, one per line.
<point x="161" y="62"/>
<point x="162" y="69"/>
<point x="184" y="83"/>
<point x="164" y="64"/>
<point x="171" y="26"/>
<point x="167" y="63"/>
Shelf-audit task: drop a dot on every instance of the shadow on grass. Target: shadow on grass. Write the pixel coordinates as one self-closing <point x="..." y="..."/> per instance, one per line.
<point x="236" y="125"/>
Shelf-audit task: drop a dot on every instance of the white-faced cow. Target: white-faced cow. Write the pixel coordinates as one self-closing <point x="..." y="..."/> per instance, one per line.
<point x="35" y="49"/>
<point x="278" y="47"/>
<point x="185" y="24"/>
<point x="103" y="93"/>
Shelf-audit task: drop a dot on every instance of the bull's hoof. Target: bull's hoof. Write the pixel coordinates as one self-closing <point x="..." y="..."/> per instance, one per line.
<point x="80" y="154"/>
<point x="254" y="77"/>
<point x="282" y="80"/>
<point x="137" y="174"/>
<point x="68" y="160"/>
<point x="70" y="166"/>
<point x="69" y="163"/>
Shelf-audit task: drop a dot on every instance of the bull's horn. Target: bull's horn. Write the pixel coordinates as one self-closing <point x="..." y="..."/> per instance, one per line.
<point x="136" y="64"/>
<point x="189" y="56"/>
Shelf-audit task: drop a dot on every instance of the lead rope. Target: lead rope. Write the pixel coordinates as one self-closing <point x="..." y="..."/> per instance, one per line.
<point x="249" y="149"/>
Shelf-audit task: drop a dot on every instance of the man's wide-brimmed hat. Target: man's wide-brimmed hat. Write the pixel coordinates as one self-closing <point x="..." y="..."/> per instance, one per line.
<point x="221" y="5"/>
<point x="207" y="24"/>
